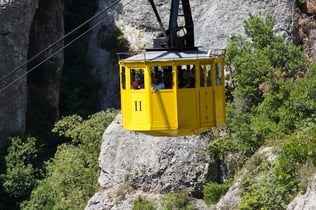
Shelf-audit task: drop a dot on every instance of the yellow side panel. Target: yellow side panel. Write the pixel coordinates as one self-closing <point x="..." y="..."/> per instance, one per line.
<point x="124" y="108"/>
<point x="220" y="104"/>
<point x="188" y="114"/>
<point x="164" y="110"/>
<point x="138" y="108"/>
<point x="207" y="107"/>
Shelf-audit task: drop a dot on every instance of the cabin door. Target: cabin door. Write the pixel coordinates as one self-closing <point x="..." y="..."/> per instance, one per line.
<point x="138" y="100"/>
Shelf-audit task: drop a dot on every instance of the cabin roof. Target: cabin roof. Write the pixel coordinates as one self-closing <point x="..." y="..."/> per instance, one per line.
<point x="171" y="55"/>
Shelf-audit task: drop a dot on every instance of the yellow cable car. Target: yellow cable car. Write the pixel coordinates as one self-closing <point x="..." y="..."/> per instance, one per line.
<point x="189" y="100"/>
<point x="174" y="89"/>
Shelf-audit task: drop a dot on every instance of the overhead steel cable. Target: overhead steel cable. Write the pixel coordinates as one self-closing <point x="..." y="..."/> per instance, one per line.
<point x="54" y="44"/>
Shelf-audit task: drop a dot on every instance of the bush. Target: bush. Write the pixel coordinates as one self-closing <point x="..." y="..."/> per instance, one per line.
<point x="71" y="176"/>
<point x="213" y="191"/>
<point x="142" y="204"/>
<point x="19" y="178"/>
<point x="177" y="200"/>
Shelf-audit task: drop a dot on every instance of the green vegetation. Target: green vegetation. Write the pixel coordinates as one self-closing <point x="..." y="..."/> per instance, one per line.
<point x="213" y="191"/>
<point x="273" y="186"/>
<point x="71" y="177"/>
<point x="177" y="200"/>
<point x="274" y="104"/>
<point x="142" y="203"/>
<point x="18" y="176"/>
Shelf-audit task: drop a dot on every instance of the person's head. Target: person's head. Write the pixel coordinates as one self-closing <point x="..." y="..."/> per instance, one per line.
<point x="137" y="77"/>
<point x="156" y="80"/>
<point x="158" y="73"/>
<point x="184" y="74"/>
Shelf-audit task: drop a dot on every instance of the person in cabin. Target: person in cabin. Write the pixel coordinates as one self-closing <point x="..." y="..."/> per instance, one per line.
<point x="186" y="80"/>
<point x="137" y="83"/>
<point x="157" y="83"/>
<point x="167" y="78"/>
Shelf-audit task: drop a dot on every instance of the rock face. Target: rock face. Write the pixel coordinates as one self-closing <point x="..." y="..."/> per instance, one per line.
<point x="44" y="81"/>
<point x="215" y="21"/>
<point x="135" y="164"/>
<point x="27" y="27"/>
<point x="307" y="29"/>
<point x="307" y="200"/>
<point x="15" y="18"/>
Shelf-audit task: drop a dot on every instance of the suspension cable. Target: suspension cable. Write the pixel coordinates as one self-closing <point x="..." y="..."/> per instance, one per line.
<point x="52" y="45"/>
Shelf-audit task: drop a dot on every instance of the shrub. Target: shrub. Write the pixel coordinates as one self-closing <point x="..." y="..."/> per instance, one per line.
<point x="142" y="204"/>
<point x="71" y="176"/>
<point x="19" y="178"/>
<point x="213" y="191"/>
<point x="177" y="200"/>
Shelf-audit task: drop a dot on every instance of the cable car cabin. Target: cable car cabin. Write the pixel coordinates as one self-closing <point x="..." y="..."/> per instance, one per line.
<point x="170" y="93"/>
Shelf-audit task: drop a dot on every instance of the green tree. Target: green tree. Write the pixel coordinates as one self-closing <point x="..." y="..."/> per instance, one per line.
<point x="263" y="67"/>
<point x="71" y="176"/>
<point x="20" y="175"/>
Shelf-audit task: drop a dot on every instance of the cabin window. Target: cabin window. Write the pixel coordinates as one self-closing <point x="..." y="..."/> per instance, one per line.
<point x="123" y="78"/>
<point x="161" y="77"/>
<point x="205" y="75"/>
<point x="219" y="75"/>
<point x="137" y="79"/>
<point x="186" y="76"/>
<point x="202" y="75"/>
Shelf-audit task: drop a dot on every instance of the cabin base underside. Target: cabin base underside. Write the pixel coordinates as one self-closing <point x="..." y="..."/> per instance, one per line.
<point x="173" y="133"/>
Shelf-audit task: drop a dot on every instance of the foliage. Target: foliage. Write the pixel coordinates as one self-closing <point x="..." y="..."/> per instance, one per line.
<point x="20" y="175"/>
<point x="71" y="177"/>
<point x="272" y="186"/>
<point x="274" y="101"/>
<point x="142" y="204"/>
<point x="265" y="69"/>
<point x="213" y="191"/>
<point x="261" y="61"/>
<point x="177" y="200"/>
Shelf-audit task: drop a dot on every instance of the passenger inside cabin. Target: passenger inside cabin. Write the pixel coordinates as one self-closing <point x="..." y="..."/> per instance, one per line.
<point x="186" y="80"/>
<point x="157" y="83"/>
<point x="137" y="83"/>
<point x="167" y="78"/>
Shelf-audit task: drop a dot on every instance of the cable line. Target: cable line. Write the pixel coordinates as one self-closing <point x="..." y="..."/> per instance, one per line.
<point x="55" y="43"/>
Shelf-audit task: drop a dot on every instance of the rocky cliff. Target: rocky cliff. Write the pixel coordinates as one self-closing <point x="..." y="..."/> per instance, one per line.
<point x="16" y="18"/>
<point x="44" y="81"/>
<point x="26" y="28"/>
<point x="134" y="164"/>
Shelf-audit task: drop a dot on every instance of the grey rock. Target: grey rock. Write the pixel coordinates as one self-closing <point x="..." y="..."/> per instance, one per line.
<point x="151" y="165"/>
<point x="307" y="200"/>
<point x="15" y="23"/>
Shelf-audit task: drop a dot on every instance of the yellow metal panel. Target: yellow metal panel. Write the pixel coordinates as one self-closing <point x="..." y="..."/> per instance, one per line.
<point x="207" y="110"/>
<point x="174" y="112"/>
<point x="164" y="114"/>
<point x="188" y="114"/>
<point x="220" y="105"/>
<point x="139" y="110"/>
